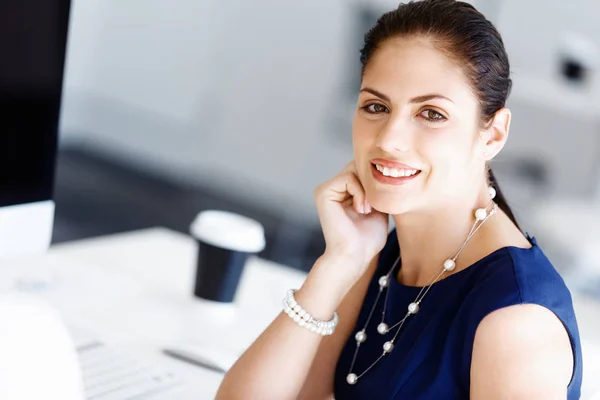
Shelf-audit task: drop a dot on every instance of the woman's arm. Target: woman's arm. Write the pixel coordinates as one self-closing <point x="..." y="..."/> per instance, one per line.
<point x="521" y="352"/>
<point x="278" y="363"/>
<point x="319" y="381"/>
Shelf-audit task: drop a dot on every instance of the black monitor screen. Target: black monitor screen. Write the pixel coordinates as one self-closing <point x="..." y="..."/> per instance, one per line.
<point x="33" y="36"/>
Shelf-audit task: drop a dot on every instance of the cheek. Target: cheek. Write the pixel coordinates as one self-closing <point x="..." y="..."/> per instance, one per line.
<point x="364" y="136"/>
<point x="447" y="152"/>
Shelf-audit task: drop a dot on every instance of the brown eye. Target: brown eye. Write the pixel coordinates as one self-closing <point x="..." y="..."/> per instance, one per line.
<point x="433" y="116"/>
<point x="375" y="108"/>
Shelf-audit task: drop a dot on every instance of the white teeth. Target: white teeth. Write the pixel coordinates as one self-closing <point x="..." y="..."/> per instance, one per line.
<point x="395" y="173"/>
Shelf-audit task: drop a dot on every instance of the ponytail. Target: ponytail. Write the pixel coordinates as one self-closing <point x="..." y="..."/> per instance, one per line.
<point x="500" y="199"/>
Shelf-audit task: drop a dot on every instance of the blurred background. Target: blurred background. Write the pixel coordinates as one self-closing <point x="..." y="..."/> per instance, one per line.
<point x="246" y="106"/>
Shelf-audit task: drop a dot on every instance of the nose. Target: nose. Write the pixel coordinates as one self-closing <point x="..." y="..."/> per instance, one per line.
<point x="394" y="136"/>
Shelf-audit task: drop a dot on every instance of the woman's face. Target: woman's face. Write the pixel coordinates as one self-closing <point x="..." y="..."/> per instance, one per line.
<point x="416" y="108"/>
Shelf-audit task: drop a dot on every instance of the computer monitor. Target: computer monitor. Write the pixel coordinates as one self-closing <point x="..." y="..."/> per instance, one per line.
<point x="33" y="36"/>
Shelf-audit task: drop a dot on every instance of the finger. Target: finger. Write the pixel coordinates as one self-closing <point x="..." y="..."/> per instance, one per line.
<point x="342" y="187"/>
<point x="349" y="202"/>
<point x="351" y="168"/>
<point x="356" y="190"/>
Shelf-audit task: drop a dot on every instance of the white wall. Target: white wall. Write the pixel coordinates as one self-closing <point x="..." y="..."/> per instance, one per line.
<point x="553" y="120"/>
<point x="536" y="31"/>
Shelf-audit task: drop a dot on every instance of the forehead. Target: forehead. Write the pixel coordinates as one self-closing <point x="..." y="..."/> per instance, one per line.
<point x="407" y="67"/>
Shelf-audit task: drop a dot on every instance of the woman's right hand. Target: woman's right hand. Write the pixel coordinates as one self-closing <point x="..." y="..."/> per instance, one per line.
<point x="353" y="230"/>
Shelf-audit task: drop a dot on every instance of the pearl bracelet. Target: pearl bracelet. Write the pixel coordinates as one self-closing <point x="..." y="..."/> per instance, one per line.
<point x="303" y="318"/>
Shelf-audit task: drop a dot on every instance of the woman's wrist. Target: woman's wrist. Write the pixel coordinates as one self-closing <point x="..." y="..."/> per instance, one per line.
<point x="326" y="285"/>
<point x="343" y="255"/>
<point x="305" y="319"/>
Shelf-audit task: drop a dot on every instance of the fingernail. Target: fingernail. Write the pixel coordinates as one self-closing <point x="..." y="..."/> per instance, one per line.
<point x="368" y="207"/>
<point x="362" y="208"/>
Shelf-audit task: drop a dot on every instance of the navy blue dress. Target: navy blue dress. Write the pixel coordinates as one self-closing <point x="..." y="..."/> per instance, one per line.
<point x="432" y="354"/>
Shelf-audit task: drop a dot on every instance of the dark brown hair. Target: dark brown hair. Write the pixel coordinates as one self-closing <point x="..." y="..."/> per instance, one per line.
<point x="466" y="37"/>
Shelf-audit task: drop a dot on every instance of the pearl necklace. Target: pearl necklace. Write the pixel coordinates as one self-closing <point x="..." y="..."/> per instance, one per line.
<point x="481" y="216"/>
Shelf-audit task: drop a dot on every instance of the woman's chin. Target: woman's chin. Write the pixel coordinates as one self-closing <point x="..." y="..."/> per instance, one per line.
<point x="391" y="207"/>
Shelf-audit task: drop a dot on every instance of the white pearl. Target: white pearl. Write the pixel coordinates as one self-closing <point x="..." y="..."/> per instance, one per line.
<point x="296" y="318"/>
<point x="313" y="328"/>
<point x="388" y="347"/>
<point x="382" y="328"/>
<point x="302" y="322"/>
<point x="360" y="336"/>
<point x="413" y="308"/>
<point x="302" y="313"/>
<point x="449" y="265"/>
<point x="297" y="308"/>
<point x="480" y="214"/>
<point x="287" y="310"/>
<point x="492" y="192"/>
<point x="384" y="281"/>
<point x="306" y="317"/>
<point x="351" y="379"/>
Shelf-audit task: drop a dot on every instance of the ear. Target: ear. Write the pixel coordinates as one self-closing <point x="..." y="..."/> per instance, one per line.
<point x="494" y="136"/>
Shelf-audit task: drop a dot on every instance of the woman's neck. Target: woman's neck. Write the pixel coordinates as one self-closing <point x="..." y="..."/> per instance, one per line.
<point x="428" y="239"/>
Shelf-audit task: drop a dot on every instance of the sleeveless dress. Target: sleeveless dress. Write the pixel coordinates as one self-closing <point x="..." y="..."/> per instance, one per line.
<point x="431" y="358"/>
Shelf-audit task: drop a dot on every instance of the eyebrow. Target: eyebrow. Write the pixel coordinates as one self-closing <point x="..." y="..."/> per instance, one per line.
<point x="418" y="99"/>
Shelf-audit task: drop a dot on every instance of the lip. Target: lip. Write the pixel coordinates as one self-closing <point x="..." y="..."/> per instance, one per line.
<point x="389" y="180"/>
<point x="391" y="164"/>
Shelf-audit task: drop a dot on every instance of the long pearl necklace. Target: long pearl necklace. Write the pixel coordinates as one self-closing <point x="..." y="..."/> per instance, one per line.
<point x="481" y="216"/>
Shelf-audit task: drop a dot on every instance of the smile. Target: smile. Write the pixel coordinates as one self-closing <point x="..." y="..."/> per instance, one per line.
<point x="393" y="176"/>
<point x="394" y="172"/>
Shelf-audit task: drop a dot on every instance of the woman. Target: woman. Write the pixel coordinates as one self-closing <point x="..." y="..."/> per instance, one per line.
<point x="455" y="302"/>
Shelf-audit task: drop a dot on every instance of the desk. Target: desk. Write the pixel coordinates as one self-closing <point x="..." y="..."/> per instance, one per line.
<point x="136" y="288"/>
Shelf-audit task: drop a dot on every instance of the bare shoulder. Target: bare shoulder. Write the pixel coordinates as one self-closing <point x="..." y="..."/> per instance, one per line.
<point x="521" y="352"/>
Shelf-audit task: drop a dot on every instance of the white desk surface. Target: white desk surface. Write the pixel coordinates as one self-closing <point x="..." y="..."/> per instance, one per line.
<point x="136" y="287"/>
<point x="136" y="290"/>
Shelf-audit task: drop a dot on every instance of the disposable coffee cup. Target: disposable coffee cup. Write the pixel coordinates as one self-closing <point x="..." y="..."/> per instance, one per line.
<point x="225" y="241"/>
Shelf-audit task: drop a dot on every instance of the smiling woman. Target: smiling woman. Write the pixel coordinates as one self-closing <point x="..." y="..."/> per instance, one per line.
<point x="425" y="117"/>
<point x="454" y="303"/>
